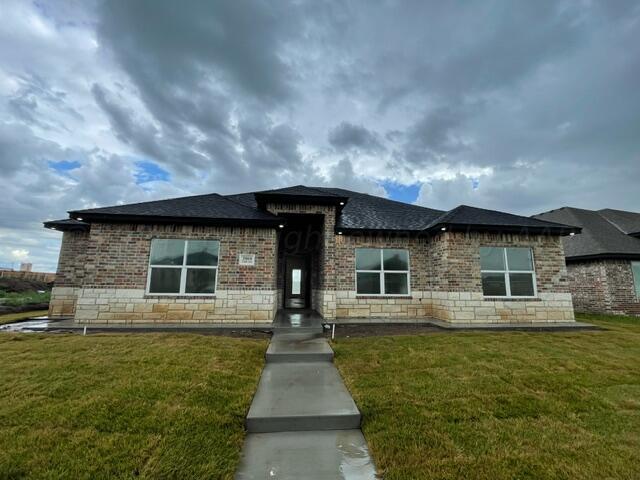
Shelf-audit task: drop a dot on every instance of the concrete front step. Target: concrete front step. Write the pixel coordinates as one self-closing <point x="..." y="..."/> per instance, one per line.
<point x="318" y="455"/>
<point x="301" y="397"/>
<point x="304" y="330"/>
<point x="296" y="347"/>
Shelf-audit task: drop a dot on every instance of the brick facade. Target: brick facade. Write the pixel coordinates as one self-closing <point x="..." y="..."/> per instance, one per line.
<point x="103" y="276"/>
<point x="603" y="286"/>
<point x="457" y="259"/>
<point x="105" y="270"/>
<point x="445" y="280"/>
<point x="70" y="273"/>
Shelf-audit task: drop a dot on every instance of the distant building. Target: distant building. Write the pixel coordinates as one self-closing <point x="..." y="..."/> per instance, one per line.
<point x="603" y="262"/>
<point x="26" y="267"/>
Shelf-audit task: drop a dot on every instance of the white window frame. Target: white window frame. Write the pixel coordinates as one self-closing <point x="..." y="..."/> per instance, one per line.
<point x="507" y="271"/>
<point x="184" y="267"/>
<point x="381" y="273"/>
<point x="633" y="277"/>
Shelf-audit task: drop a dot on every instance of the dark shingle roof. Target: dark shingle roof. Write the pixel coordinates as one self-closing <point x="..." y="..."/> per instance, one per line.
<point x="599" y="237"/>
<point x="466" y="216"/>
<point x="627" y="222"/>
<point x="300" y="194"/>
<point x="200" y="207"/>
<point x="356" y="212"/>
<point x="299" y="190"/>
<point x="368" y="212"/>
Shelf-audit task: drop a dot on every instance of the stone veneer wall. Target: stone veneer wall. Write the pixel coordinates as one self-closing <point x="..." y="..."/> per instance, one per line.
<point x="111" y="286"/>
<point x="446" y="282"/>
<point x="603" y="286"/>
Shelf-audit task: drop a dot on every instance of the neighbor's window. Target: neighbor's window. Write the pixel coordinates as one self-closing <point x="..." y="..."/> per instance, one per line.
<point x="183" y="267"/>
<point x="382" y="271"/>
<point x="507" y="272"/>
<point x="635" y="266"/>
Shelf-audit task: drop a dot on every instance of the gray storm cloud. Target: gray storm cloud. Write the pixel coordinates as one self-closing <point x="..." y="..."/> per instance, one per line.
<point x="517" y="106"/>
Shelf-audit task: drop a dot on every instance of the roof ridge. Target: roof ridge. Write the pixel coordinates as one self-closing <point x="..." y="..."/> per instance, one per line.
<point x="599" y="212"/>
<point x="318" y="190"/>
<point x="440" y="218"/>
<point x="618" y="210"/>
<point x="235" y="202"/>
<point x="450" y="215"/>
<point x="150" y="201"/>
<point x="587" y="232"/>
<point x="277" y="190"/>
<point x="386" y="199"/>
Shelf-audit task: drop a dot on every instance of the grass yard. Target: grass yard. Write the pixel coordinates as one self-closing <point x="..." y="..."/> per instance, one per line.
<point x="16" y="299"/>
<point x="124" y="406"/>
<point x="500" y="405"/>
<point x="16" y="317"/>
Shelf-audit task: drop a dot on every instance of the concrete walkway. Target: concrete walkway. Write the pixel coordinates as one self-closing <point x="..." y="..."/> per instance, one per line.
<point x="303" y="423"/>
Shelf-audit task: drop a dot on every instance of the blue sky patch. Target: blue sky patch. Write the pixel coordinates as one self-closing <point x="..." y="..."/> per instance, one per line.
<point x="401" y="192"/>
<point x="64" y="165"/>
<point x="150" y="172"/>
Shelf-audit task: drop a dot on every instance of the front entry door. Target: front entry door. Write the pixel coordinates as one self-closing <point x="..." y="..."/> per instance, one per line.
<point x="296" y="283"/>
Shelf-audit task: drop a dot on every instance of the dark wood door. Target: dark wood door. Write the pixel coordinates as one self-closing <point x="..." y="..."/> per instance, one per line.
<point x="296" y="284"/>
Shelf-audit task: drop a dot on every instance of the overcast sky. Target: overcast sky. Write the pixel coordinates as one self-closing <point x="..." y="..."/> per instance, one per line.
<point x="521" y="106"/>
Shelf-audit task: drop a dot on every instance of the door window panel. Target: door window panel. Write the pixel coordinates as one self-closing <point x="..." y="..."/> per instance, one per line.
<point x="296" y="277"/>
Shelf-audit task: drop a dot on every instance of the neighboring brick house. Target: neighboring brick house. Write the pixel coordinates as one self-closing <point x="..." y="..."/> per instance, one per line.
<point x="347" y="255"/>
<point x="603" y="262"/>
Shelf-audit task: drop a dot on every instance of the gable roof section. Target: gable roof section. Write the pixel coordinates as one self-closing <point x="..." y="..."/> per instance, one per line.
<point x="300" y="194"/>
<point x="627" y="222"/>
<point x="368" y="212"/>
<point x="465" y="217"/>
<point x="210" y="209"/>
<point x="301" y="190"/>
<point x="600" y="238"/>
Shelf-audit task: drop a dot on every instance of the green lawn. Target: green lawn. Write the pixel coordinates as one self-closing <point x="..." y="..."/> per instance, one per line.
<point x="124" y="406"/>
<point x="16" y="317"/>
<point x="500" y="405"/>
<point x="13" y="299"/>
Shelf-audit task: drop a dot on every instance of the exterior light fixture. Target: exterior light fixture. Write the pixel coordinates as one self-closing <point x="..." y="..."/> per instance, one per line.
<point x="572" y="234"/>
<point x="281" y="226"/>
<point x="341" y="203"/>
<point x="443" y="229"/>
<point x="339" y="233"/>
<point x="79" y="218"/>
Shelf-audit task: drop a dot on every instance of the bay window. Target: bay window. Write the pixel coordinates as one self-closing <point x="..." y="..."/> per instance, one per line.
<point x="507" y="272"/>
<point x="382" y="271"/>
<point x="183" y="267"/>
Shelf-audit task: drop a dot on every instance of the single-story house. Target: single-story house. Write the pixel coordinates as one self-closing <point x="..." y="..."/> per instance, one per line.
<point x="603" y="262"/>
<point x="347" y="255"/>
